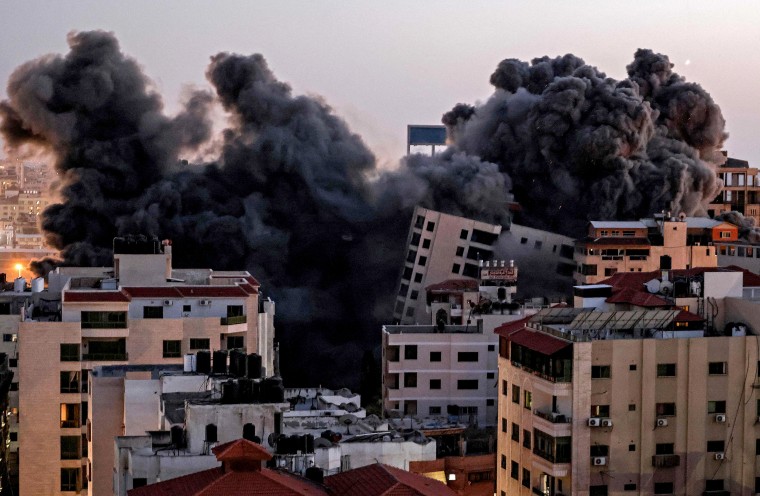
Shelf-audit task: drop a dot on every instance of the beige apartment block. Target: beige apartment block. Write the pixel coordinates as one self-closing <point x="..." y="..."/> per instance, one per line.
<point x="155" y="318"/>
<point x="638" y="246"/>
<point x="611" y="401"/>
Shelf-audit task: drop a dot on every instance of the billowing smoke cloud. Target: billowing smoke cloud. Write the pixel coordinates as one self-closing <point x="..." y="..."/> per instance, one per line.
<point x="293" y="196"/>
<point x="747" y="228"/>
<point x="578" y="145"/>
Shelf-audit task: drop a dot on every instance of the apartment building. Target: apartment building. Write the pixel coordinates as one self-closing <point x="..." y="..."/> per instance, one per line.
<point x="619" y="398"/>
<point x="140" y="311"/>
<point x="642" y="246"/>
<point x="741" y="190"/>
<point x="439" y="247"/>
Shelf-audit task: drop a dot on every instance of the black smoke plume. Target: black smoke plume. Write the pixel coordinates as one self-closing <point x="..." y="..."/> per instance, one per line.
<point x="581" y="146"/>
<point x="289" y="198"/>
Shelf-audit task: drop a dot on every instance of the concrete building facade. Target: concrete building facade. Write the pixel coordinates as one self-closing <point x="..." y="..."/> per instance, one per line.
<point x="741" y="190"/>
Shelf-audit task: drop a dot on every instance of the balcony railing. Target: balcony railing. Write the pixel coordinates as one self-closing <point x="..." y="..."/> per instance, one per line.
<point x="550" y="456"/>
<point x="104" y="325"/>
<point x="666" y="461"/>
<point x="105" y="357"/>
<point x="546" y="377"/>
<point x="553" y="417"/>
<point x="238" y="319"/>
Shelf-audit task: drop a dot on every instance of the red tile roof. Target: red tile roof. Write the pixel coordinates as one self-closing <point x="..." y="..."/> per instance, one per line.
<point x="510" y="327"/>
<point x="538" y="341"/>
<point x="636" y="280"/>
<point x="211" y="291"/>
<point x="637" y="298"/>
<point x="454" y="285"/>
<point x="152" y="292"/>
<point x="241" y="448"/>
<point x="609" y="241"/>
<point x="70" y="296"/>
<point x="685" y="316"/>
<point x="382" y="480"/>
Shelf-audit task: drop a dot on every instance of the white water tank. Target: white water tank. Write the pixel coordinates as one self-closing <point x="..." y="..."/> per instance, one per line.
<point x="38" y="285"/>
<point x="19" y="285"/>
<point x="189" y="363"/>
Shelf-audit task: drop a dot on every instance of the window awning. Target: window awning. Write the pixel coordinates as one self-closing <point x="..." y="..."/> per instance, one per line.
<point x="539" y="341"/>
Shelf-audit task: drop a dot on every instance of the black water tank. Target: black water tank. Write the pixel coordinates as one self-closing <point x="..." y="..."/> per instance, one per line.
<point x="220" y="362"/>
<point x="229" y="392"/>
<point x="256" y="393"/>
<point x="254" y="366"/>
<point x="245" y="390"/>
<point x="178" y="436"/>
<point x="237" y="363"/>
<point x="309" y="443"/>
<point x="203" y="362"/>
<point x="665" y="262"/>
<point x="315" y="474"/>
<point x="272" y="390"/>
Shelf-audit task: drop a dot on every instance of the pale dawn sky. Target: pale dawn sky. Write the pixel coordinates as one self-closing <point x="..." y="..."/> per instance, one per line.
<point x="383" y="65"/>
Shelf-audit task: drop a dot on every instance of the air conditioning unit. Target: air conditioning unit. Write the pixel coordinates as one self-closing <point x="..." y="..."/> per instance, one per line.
<point x="720" y="456"/>
<point x="204" y="303"/>
<point x="598" y="461"/>
<point x="594" y="422"/>
<point x="606" y="422"/>
<point x="662" y="422"/>
<point x="168" y="303"/>
<point x="720" y="418"/>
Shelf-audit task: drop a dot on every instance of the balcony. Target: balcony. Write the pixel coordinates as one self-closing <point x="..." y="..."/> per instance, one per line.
<point x="666" y="461"/>
<point x="105" y="357"/>
<point x="238" y="319"/>
<point x="554" y="424"/>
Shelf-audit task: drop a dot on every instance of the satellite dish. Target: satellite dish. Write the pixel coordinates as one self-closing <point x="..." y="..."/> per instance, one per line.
<point x="666" y="287"/>
<point x="653" y="286"/>
<point x="348" y="420"/>
<point x="321" y="442"/>
<point x="272" y="440"/>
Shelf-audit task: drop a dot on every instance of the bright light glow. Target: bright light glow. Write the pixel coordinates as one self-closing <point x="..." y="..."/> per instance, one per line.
<point x="18" y="268"/>
<point x="452" y="477"/>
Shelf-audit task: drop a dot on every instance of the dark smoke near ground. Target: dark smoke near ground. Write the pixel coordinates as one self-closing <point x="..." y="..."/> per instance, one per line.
<point x="578" y="145"/>
<point x="289" y="198"/>
<point x="747" y="228"/>
<point x="295" y="197"/>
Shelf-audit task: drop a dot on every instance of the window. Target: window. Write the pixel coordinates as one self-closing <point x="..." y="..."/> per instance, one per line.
<point x="515" y="394"/>
<point x="663" y="488"/>
<point x="104" y="320"/>
<point x="467" y="384"/>
<point x="70" y="479"/>
<point x="515" y="470"/>
<point x="504" y="461"/>
<point x="422" y="261"/>
<point x="7" y="338"/>
<point x="234" y="342"/>
<point x="435" y="356"/>
<point x="410" y="379"/>
<point x="482" y="476"/>
<point x="600" y="450"/>
<point x="70" y="381"/>
<point x="470" y="270"/>
<point x="434" y="410"/>
<point x="460" y="251"/>
<point x="716" y="407"/>
<point x="629" y="487"/>
<point x="664" y="449"/>
<point x="631" y="447"/>
<point x="211" y="433"/>
<point x="430" y="226"/>
<point x="526" y="438"/>
<point x="139" y="482"/>
<point x="504" y="425"/>
<point x="153" y="312"/>
<point x="632" y="367"/>
<point x="411" y="256"/>
<point x="414" y="294"/>
<point x="504" y="387"/>
<point x="417" y="277"/>
<point x="632" y="407"/>
<point x="172" y="348"/>
<point x="70" y="414"/>
<point x="523" y="241"/>
<point x="407" y="274"/>
<point x="609" y="271"/>
<point x="515" y="432"/>
<point x="715" y="446"/>
<point x="665" y="409"/>
<point x="666" y="370"/>
<point x="491" y="347"/>
<point x="527" y="399"/>
<point x="69" y="352"/>
<point x="200" y="344"/>
<point x="714" y="485"/>
<point x="456" y="268"/>
<point x="419" y="222"/>
<point x="600" y="410"/>
<point x="600" y="371"/>
<point x="538" y="244"/>
<point x="70" y="447"/>
<point x="467" y="356"/>
<point x="490" y="402"/>
<point x="410" y="311"/>
<point x="435" y="384"/>
<point x="490" y="375"/>
<point x="13" y="362"/>
<point x="187" y="308"/>
<point x="757" y="449"/>
<point x="410" y="352"/>
<point x="716" y="368"/>
<point x="14" y="437"/>
<point x="598" y="490"/>
<point x="526" y="477"/>
<point x="14" y="386"/>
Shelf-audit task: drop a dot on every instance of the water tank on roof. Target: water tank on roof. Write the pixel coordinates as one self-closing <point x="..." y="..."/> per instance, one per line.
<point x="230" y="392"/>
<point x="253" y="366"/>
<point x="19" y="284"/>
<point x="237" y="363"/>
<point x="189" y="363"/>
<point x="220" y="362"/>
<point x="38" y="285"/>
<point x="245" y="390"/>
<point x="203" y="362"/>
